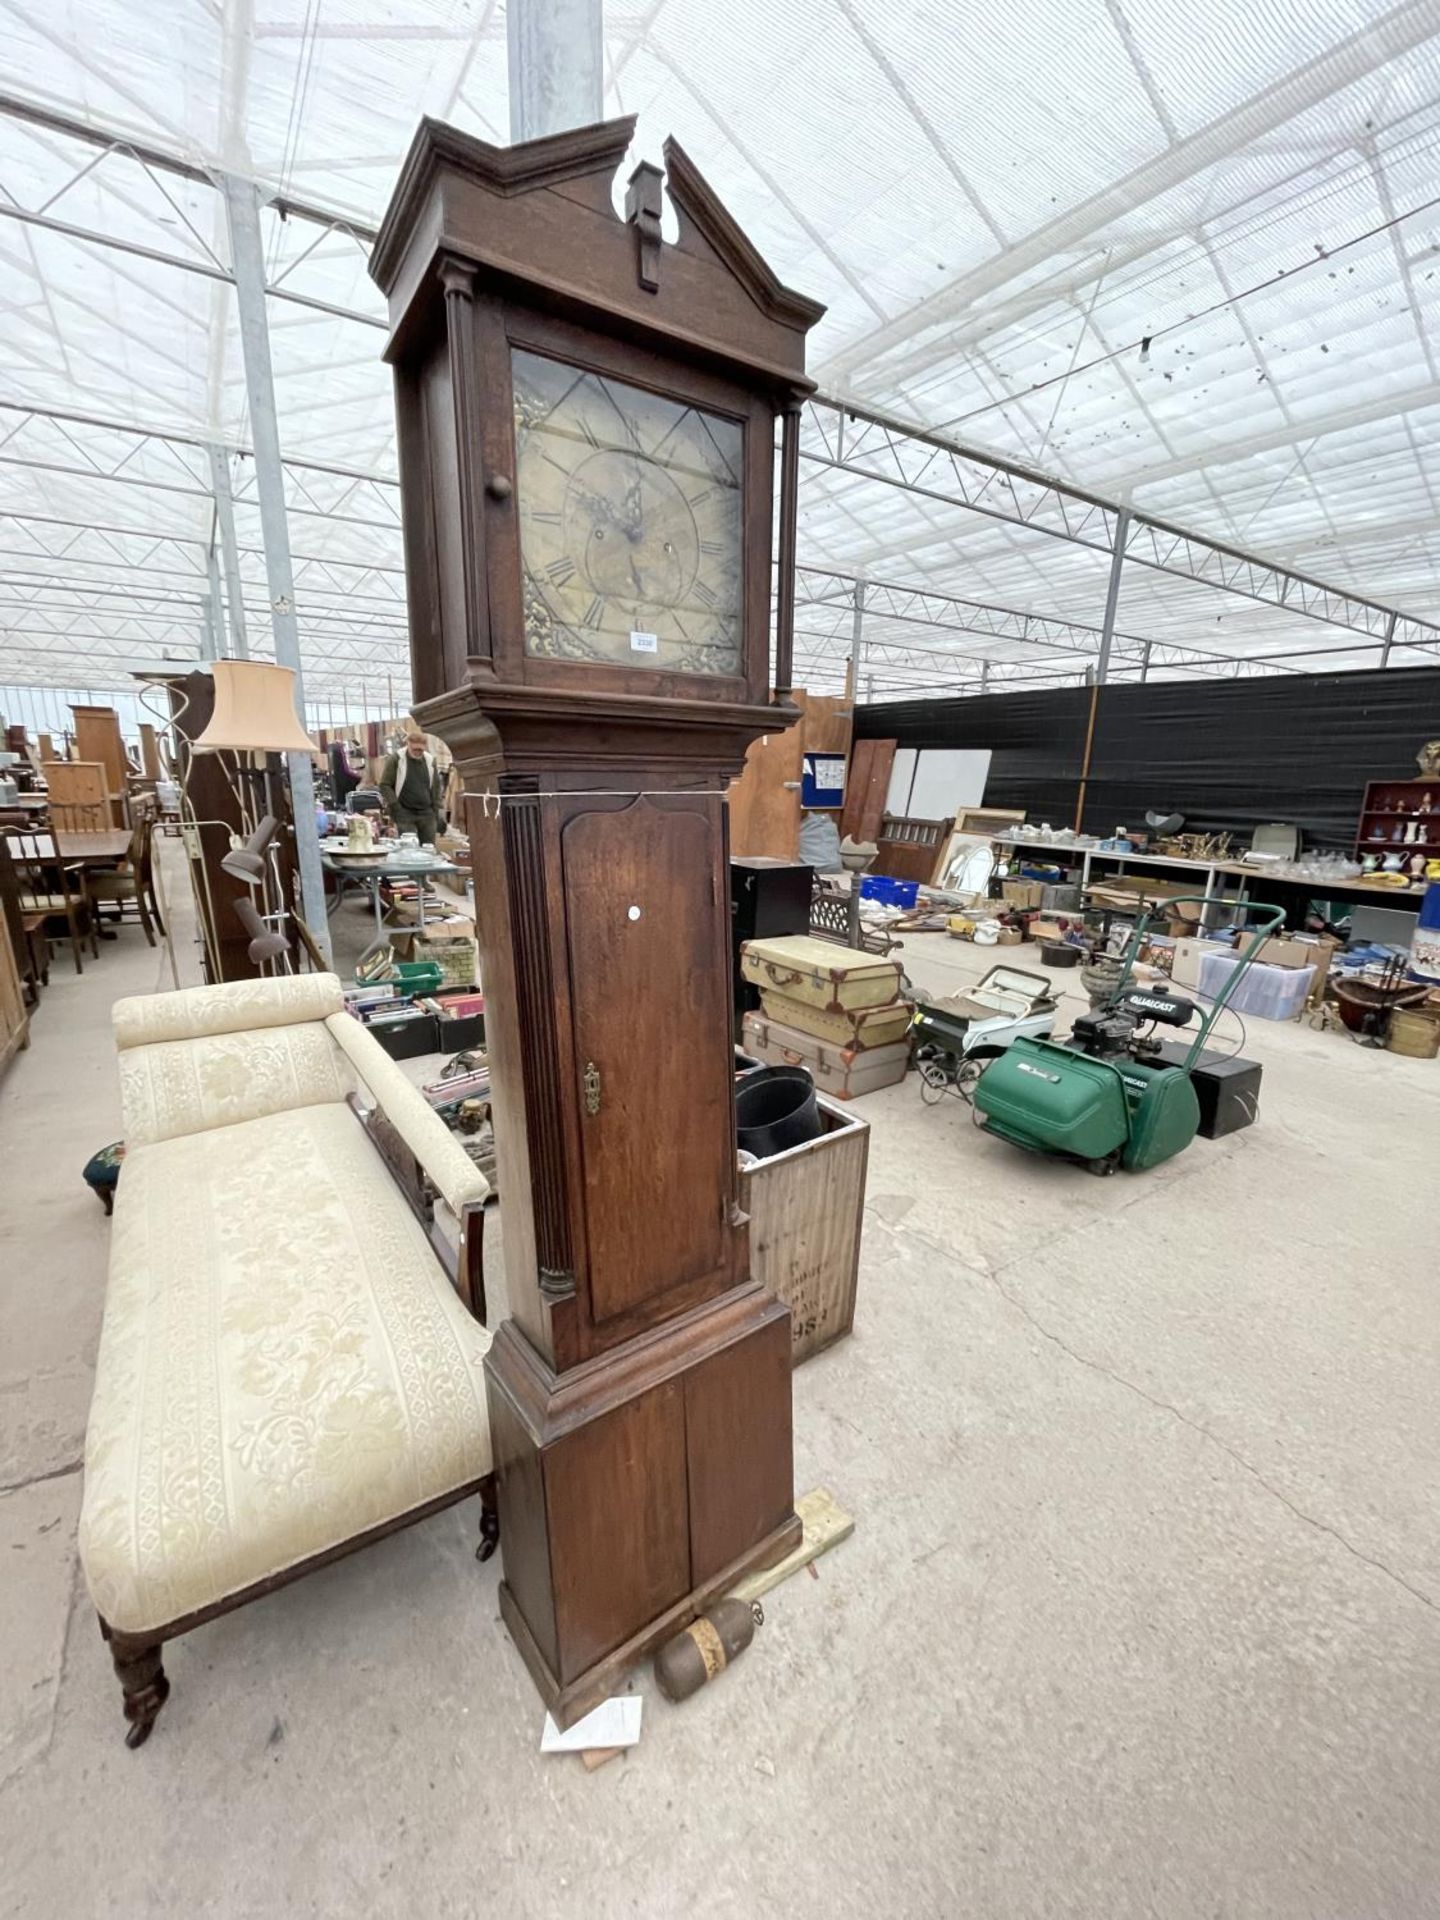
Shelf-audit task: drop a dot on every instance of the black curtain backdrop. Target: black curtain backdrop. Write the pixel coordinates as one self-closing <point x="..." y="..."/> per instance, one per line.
<point x="1229" y="754"/>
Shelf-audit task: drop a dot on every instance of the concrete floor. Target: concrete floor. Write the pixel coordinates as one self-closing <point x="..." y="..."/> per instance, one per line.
<point x="1139" y="1617"/>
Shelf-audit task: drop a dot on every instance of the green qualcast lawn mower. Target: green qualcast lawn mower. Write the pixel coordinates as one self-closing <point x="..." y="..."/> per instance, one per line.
<point x="1104" y="1097"/>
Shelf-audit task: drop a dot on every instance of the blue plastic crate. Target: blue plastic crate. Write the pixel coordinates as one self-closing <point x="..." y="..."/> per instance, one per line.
<point x="888" y="892"/>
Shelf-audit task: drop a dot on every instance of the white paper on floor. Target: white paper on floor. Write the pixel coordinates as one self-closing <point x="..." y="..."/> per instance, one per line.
<point x="614" y="1723"/>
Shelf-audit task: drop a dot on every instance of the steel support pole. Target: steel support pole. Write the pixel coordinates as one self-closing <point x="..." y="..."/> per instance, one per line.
<point x="1389" y="640"/>
<point x="225" y="516"/>
<point x="242" y="211"/>
<point x="557" y="66"/>
<point x="210" y="647"/>
<point x="1144" y="663"/>
<point x="857" y="644"/>
<point x="1112" y="595"/>
<point x="214" y="605"/>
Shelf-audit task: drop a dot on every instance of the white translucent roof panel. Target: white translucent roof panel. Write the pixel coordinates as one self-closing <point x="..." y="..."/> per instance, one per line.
<point x="1187" y="257"/>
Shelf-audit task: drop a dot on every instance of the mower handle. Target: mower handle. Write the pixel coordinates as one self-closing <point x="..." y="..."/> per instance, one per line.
<point x="1277" y="914"/>
<point x="1274" y="917"/>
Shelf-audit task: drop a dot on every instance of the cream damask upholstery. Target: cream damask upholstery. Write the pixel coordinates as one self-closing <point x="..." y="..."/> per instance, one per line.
<point x="176" y="1087"/>
<point x="240" y="1004"/>
<point x="452" y="1172"/>
<point x="284" y="1364"/>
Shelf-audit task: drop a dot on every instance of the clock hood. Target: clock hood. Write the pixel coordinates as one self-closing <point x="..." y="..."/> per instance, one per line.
<point x="538" y="218"/>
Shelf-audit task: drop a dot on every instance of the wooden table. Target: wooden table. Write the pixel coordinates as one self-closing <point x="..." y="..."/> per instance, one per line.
<point x="106" y="847"/>
<point x="100" y="849"/>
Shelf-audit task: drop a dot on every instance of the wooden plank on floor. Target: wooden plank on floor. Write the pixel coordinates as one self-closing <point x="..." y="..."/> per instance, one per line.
<point x="826" y="1524"/>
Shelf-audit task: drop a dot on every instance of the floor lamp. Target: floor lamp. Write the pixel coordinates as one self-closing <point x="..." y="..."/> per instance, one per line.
<point x="254" y="713"/>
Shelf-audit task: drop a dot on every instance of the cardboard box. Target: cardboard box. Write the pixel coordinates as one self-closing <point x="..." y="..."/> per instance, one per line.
<point x="1127" y="892"/>
<point x="1281" y="950"/>
<point x="1284" y="950"/>
<point x="1044" y="927"/>
<point x="1185" y="968"/>
<point x="1023" y="893"/>
<point x="1009" y="937"/>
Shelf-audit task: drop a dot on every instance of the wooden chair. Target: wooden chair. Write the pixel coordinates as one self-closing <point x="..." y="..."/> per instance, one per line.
<point x="80" y="816"/>
<point x="53" y="889"/>
<point x="26" y="929"/>
<point x="133" y="881"/>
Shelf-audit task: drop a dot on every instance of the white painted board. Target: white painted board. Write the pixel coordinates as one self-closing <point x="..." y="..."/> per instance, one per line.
<point x="946" y="779"/>
<point x="933" y="783"/>
<point x="902" y="774"/>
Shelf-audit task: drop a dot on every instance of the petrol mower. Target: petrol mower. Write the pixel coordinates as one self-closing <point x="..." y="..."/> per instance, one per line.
<point x="1107" y="1097"/>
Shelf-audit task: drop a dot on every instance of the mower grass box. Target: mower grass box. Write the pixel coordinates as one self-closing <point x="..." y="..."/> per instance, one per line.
<point x="1104" y="1112"/>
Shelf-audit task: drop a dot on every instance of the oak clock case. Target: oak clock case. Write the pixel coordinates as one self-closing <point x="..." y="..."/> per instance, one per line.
<point x="587" y="427"/>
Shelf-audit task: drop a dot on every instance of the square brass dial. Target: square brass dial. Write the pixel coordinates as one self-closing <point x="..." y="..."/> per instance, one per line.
<point x="630" y="522"/>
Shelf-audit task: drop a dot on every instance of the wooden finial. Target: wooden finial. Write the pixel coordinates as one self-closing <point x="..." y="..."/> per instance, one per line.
<point x="642" y="210"/>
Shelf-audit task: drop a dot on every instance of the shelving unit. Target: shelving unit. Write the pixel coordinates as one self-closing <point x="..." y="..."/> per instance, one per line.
<point x="1392" y="803"/>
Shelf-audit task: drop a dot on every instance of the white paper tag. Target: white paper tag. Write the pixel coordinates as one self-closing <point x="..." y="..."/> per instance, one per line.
<point x="614" y="1723"/>
<point x="644" y="643"/>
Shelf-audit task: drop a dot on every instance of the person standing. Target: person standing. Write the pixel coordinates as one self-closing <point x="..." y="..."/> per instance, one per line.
<point x="411" y="787"/>
<point x="344" y="775"/>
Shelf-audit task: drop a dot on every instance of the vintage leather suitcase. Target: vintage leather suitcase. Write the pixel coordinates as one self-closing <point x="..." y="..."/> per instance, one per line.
<point x="857" y="1029"/>
<point x="844" y="1072"/>
<point x="819" y="973"/>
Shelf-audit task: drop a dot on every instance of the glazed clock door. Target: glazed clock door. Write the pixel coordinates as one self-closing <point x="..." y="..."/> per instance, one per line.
<point x="651" y="1049"/>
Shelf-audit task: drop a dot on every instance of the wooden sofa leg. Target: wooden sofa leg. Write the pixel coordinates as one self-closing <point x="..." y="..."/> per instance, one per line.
<point x="142" y="1678"/>
<point x="489" y="1520"/>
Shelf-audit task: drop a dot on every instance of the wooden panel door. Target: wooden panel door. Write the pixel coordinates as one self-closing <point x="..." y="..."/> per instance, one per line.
<point x="647" y="931"/>
<point x="866" y="789"/>
<point x="617" y="1506"/>
<point x="738" y="1447"/>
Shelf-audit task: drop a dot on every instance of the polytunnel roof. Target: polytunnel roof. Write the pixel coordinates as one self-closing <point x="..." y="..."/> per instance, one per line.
<point x="1183" y="258"/>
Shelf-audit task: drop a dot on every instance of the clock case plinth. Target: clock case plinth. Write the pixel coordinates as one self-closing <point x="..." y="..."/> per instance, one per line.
<point x="640" y="1390"/>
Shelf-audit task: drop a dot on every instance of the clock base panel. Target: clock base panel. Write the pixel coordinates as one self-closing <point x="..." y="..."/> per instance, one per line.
<point x="634" y="1489"/>
<point x="567" y="1704"/>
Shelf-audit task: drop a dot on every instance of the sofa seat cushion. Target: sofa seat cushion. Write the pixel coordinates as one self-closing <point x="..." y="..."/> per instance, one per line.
<point x="283" y="1365"/>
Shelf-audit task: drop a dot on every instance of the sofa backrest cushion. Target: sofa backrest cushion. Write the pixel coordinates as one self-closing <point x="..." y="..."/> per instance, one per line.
<point x="176" y="1087"/>
<point x="239" y="1006"/>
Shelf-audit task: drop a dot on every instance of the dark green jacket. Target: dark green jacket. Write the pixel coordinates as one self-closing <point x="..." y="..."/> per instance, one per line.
<point x="393" y="778"/>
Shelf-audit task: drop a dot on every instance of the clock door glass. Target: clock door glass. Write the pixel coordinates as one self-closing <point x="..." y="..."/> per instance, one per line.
<point x="630" y="522"/>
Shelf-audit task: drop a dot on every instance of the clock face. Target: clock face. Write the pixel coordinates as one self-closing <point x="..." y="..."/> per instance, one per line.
<point x="630" y="522"/>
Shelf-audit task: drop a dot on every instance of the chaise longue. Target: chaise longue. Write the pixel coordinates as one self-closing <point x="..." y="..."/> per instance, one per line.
<point x="291" y="1360"/>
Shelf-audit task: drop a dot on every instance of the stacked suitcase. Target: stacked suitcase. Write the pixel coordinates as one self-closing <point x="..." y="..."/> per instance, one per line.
<point x="828" y="1008"/>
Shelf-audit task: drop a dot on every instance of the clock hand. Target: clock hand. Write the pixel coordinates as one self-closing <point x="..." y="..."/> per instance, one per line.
<point x="598" y="507"/>
<point x="633" y="510"/>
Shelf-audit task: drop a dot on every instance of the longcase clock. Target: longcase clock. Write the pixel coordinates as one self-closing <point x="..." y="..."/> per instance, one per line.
<point x="588" y="431"/>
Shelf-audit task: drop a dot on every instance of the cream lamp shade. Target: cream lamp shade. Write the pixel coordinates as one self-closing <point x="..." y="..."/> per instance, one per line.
<point x="254" y="711"/>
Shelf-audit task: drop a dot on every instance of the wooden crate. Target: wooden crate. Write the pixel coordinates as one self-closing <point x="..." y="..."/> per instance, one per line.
<point x="806" y="1208"/>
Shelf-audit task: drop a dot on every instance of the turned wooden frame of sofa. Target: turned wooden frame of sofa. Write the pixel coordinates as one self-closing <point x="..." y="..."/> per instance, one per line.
<point x="410" y="1154"/>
